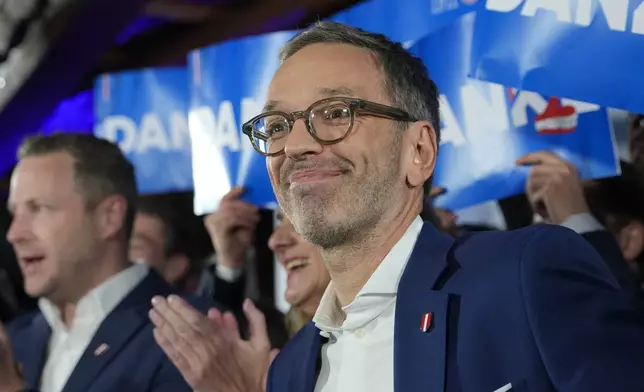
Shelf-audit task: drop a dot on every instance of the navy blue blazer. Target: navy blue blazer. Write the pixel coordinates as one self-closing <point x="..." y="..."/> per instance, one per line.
<point x="133" y="363"/>
<point x="536" y="308"/>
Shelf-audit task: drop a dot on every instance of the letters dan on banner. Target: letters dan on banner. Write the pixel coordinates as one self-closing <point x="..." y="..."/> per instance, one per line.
<point x="583" y="49"/>
<point x="228" y="87"/>
<point x="486" y="127"/>
<point x="146" y="113"/>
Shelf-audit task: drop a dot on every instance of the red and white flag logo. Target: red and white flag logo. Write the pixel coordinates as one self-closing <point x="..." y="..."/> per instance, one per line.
<point x="557" y="118"/>
<point x="426" y="322"/>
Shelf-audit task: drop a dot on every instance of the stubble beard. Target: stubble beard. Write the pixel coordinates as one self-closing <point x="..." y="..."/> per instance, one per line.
<point x="344" y="215"/>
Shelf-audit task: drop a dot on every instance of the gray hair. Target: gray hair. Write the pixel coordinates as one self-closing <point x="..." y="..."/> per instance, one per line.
<point x="406" y="80"/>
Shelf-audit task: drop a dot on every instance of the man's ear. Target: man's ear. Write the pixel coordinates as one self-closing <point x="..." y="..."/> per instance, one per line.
<point x="111" y="215"/>
<point x="420" y="156"/>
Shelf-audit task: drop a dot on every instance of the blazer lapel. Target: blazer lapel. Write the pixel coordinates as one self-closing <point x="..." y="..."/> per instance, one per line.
<point x="304" y="373"/>
<point x="35" y="349"/>
<point x="115" y="332"/>
<point x="420" y="330"/>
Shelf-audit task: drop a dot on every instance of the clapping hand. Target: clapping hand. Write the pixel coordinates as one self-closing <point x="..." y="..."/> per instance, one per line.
<point x="208" y="351"/>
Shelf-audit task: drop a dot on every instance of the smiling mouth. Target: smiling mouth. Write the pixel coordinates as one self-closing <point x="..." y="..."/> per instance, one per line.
<point x="296" y="264"/>
<point x="310" y="177"/>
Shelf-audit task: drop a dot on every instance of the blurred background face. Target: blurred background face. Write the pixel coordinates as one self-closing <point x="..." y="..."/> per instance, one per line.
<point x="331" y="193"/>
<point x="630" y="237"/>
<point x="149" y="244"/>
<point x="148" y="241"/>
<point x="617" y="203"/>
<point x="53" y="234"/>
<point x="307" y="275"/>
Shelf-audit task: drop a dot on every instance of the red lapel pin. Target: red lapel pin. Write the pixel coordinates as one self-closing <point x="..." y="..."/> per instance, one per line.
<point x="101" y="349"/>
<point x="426" y="321"/>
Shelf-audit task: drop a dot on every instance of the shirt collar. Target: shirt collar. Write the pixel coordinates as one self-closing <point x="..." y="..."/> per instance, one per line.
<point x="376" y="295"/>
<point x="100" y="301"/>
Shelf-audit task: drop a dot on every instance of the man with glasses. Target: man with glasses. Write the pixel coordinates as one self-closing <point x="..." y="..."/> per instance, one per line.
<point x="351" y="134"/>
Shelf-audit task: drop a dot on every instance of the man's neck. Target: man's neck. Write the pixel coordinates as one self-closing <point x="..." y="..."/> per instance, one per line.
<point x="68" y="305"/>
<point x="67" y="313"/>
<point x="351" y="265"/>
<point x="309" y="308"/>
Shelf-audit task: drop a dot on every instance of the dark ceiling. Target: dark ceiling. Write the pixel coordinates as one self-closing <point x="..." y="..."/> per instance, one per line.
<point x="59" y="46"/>
<point x="167" y="29"/>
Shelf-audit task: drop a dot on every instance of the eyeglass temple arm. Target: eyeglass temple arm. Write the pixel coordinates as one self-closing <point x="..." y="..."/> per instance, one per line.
<point x="375" y="109"/>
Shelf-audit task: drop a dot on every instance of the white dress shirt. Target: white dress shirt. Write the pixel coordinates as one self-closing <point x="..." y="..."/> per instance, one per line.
<point x="582" y="223"/>
<point x="359" y="355"/>
<point x="66" y="346"/>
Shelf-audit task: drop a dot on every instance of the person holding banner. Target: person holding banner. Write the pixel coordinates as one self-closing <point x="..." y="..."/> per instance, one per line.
<point x="557" y="195"/>
<point x="409" y="308"/>
<point x="231" y="228"/>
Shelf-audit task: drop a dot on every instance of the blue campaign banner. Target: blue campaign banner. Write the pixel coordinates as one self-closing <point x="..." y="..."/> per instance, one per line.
<point x="146" y="113"/>
<point x="228" y="87"/>
<point x="582" y="49"/>
<point x="406" y="22"/>
<point x="486" y="127"/>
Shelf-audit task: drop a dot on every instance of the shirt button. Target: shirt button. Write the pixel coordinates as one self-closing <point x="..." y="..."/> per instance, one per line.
<point x="360" y="333"/>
